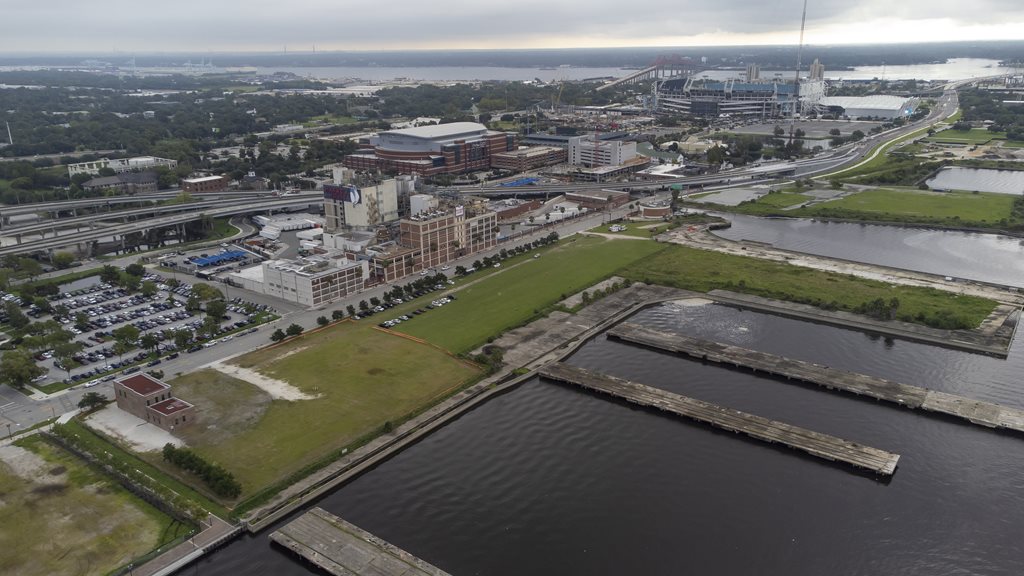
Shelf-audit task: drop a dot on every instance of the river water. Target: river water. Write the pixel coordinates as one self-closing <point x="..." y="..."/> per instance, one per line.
<point x="954" y="69"/>
<point x="978" y="179"/>
<point x="986" y="257"/>
<point x="547" y="479"/>
<point x="550" y="480"/>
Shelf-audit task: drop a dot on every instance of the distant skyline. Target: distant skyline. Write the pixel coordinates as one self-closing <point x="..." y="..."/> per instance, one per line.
<point x="269" y="26"/>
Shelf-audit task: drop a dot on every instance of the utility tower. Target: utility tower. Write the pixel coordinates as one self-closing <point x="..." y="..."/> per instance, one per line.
<point x="796" y="80"/>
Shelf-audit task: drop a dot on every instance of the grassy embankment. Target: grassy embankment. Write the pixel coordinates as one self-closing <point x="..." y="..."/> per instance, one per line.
<point x="71" y="519"/>
<point x="894" y="204"/>
<point x="359" y="380"/>
<point x="702" y="271"/>
<point x="516" y="295"/>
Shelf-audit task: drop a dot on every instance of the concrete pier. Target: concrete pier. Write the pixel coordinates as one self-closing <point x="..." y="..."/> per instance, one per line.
<point x="771" y="431"/>
<point x="338" y="547"/>
<point x="977" y="412"/>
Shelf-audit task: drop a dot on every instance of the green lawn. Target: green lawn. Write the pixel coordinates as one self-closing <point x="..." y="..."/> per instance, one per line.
<point x="363" y="378"/>
<point x="972" y="136"/>
<point x="516" y="294"/>
<point x="918" y="205"/>
<point x="702" y="271"/>
<point x="71" y="519"/>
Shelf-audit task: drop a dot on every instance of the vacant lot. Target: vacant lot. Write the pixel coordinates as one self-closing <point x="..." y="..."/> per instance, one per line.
<point x="58" y="516"/>
<point x="702" y="271"/>
<point x="887" y="203"/>
<point x="511" y="297"/>
<point x="360" y="378"/>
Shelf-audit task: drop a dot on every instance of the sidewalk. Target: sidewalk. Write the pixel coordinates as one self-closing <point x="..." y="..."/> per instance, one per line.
<point x="214" y="532"/>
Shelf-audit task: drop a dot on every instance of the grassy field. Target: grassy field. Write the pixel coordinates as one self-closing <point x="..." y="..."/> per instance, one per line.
<point x="703" y="270"/>
<point x="70" y="519"/>
<point x="887" y="203"/>
<point x="972" y="136"/>
<point x="510" y="298"/>
<point x="361" y="378"/>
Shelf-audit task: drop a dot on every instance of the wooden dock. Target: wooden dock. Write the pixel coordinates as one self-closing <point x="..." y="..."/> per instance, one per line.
<point x="772" y="431"/>
<point x="975" y="411"/>
<point x="338" y="547"/>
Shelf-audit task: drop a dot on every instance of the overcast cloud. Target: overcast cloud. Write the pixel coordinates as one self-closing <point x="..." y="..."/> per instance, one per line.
<point x="189" y="25"/>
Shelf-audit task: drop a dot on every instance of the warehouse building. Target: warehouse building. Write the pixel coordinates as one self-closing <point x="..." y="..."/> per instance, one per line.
<point x="877" y="106"/>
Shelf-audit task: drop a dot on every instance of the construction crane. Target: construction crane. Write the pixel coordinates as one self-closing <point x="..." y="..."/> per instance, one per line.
<point x="796" y="80"/>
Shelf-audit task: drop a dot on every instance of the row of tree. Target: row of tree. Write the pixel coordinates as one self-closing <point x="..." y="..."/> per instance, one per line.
<point x="219" y="480"/>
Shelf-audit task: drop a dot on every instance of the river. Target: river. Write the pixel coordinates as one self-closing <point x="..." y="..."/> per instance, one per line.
<point x="550" y="480"/>
<point x="985" y="257"/>
<point x="954" y="69"/>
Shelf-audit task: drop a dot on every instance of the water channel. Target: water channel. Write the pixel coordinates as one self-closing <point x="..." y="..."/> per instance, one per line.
<point x="978" y="179"/>
<point x="550" y="480"/>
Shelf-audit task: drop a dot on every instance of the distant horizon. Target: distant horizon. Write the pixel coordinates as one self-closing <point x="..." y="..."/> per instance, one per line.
<point x="318" y="51"/>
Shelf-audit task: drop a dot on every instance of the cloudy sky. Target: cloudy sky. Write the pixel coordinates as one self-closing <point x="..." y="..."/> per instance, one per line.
<point x="267" y="25"/>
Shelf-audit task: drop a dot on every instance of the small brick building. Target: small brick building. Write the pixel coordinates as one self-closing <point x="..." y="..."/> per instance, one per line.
<point x="150" y="399"/>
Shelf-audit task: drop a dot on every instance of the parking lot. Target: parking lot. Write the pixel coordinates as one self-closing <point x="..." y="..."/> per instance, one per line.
<point x="93" y="313"/>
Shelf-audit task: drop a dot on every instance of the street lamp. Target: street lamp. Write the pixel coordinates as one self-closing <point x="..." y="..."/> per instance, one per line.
<point x="9" y="431"/>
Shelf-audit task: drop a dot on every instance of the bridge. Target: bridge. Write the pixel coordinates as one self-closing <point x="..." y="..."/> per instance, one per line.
<point x="667" y="66"/>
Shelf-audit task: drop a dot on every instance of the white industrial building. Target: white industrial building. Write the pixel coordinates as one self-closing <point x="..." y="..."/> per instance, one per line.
<point x="120" y="165"/>
<point x="310" y="281"/>
<point x="877" y="106"/>
<point x="583" y="151"/>
<point x="361" y="202"/>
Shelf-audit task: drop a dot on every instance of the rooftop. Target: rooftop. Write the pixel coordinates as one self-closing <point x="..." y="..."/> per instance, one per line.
<point x="170" y="406"/>
<point x="440" y="130"/>
<point x="143" y="384"/>
<point x="202" y="179"/>
<point x="877" y="102"/>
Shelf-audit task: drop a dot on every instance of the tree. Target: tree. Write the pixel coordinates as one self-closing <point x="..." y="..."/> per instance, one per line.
<point x="337" y="314"/>
<point x="182" y="338"/>
<point x="18" y="368"/>
<point x="81" y="321"/>
<point x="374" y="301"/>
<point x="460" y="270"/>
<point x="210" y="325"/>
<point x="30" y="267"/>
<point x="62" y="260"/>
<point x="294" y="330"/>
<point x="15" y="316"/>
<point x="149" y="342"/>
<point x="351" y="310"/>
<point x="65" y="352"/>
<point x="193" y="304"/>
<point x="125" y="339"/>
<point x="834" y="132"/>
<point x="278" y="335"/>
<point x="322" y="321"/>
<point x="135" y="269"/>
<point x="92" y="400"/>
<point x="42" y="304"/>
<point x="363" y="306"/>
<point x="131" y="283"/>
<point x="110" y="274"/>
<point x="216" y="308"/>
<point x="205" y="292"/>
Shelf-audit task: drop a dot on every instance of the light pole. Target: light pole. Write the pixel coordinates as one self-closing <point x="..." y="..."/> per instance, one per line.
<point x="9" y="431"/>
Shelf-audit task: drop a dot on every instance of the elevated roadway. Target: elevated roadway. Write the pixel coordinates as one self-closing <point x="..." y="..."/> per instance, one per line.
<point x="92" y="220"/>
<point x="105" y="201"/>
<point x="119" y="230"/>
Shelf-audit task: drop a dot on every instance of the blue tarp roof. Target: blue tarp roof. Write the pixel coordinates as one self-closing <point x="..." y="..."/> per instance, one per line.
<point x="218" y="258"/>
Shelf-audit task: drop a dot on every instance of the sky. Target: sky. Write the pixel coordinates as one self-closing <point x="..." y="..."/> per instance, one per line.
<point x="270" y="25"/>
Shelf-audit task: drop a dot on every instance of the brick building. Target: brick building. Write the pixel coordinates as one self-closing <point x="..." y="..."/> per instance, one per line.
<point x="205" y="184"/>
<point x="151" y="400"/>
<point x="428" y="150"/>
<point x="441" y="238"/>
<point x="525" y="159"/>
